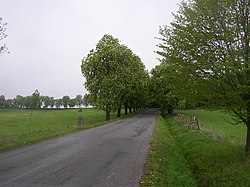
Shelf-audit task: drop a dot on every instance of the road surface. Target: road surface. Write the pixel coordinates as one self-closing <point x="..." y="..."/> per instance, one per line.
<point x="110" y="155"/>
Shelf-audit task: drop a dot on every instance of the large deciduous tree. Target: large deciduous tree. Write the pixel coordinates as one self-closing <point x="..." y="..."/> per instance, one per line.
<point x="110" y="72"/>
<point x="208" y="44"/>
<point x="161" y="85"/>
<point x="137" y="92"/>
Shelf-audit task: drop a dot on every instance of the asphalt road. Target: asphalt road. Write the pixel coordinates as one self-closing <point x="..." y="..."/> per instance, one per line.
<point x="110" y="155"/>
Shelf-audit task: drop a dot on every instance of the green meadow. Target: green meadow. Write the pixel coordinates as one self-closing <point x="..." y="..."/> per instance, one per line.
<point x="212" y="156"/>
<point x="219" y="123"/>
<point x="16" y="131"/>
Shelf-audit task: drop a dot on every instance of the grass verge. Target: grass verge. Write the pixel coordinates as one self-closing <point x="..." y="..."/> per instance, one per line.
<point x="166" y="165"/>
<point x="194" y="158"/>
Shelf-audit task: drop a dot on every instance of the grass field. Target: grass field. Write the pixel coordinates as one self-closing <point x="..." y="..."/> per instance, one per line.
<point x="218" y="122"/>
<point x="14" y="124"/>
<point x="180" y="157"/>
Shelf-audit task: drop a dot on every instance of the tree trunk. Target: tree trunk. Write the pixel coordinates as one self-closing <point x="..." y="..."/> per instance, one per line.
<point x="170" y="110"/>
<point x="130" y="109"/>
<point x="134" y="108"/>
<point x="126" y="108"/>
<point x="119" y="113"/>
<point x="107" y="115"/>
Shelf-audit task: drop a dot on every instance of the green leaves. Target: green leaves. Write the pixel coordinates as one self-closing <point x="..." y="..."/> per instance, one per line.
<point x="208" y="44"/>
<point x="66" y="101"/>
<point x="114" y="75"/>
<point x="35" y="100"/>
<point x="161" y="86"/>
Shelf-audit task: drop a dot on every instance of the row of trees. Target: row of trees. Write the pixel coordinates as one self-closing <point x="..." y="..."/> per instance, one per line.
<point x="206" y="58"/>
<point x="44" y="102"/>
<point x="115" y="77"/>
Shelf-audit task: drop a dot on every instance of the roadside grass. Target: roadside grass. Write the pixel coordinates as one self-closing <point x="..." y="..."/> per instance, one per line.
<point x="166" y="165"/>
<point x="214" y="162"/>
<point x="207" y="161"/>
<point x="45" y="124"/>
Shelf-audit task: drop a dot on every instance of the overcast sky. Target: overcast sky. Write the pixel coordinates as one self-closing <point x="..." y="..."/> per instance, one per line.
<point x="48" y="39"/>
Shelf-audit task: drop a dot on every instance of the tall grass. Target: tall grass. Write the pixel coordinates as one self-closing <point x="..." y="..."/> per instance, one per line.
<point x="214" y="162"/>
<point x="14" y="124"/>
<point x="208" y="161"/>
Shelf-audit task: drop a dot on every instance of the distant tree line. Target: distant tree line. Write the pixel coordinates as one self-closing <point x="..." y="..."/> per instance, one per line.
<point x="44" y="102"/>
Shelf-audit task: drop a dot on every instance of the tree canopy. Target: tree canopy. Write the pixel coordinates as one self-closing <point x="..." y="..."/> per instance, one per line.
<point x="161" y="87"/>
<point x="115" y="76"/>
<point x="207" y="45"/>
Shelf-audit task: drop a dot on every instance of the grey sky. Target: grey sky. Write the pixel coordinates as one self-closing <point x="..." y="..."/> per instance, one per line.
<point x="48" y="39"/>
